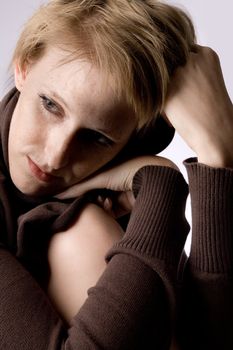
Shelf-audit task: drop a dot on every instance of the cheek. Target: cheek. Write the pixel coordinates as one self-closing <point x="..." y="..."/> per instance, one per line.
<point x="91" y="160"/>
<point x="26" y="128"/>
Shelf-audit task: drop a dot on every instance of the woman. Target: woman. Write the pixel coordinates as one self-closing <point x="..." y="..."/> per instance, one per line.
<point x="91" y="78"/>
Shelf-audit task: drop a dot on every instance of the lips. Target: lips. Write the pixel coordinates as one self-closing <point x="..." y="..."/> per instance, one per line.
<point x="40" y="174"/>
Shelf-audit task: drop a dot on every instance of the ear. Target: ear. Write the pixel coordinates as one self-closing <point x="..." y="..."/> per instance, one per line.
<point x="20" y="74"/>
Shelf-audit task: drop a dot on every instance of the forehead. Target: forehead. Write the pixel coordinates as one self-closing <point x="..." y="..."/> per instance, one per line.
<point x="56" y="70"/>
<point x="83" y="88"/>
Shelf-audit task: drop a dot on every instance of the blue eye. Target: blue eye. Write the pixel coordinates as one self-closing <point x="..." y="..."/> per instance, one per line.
<point x="49" y="105"/>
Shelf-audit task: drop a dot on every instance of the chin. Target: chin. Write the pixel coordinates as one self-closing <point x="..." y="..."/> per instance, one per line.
<point x="32" y="189"/>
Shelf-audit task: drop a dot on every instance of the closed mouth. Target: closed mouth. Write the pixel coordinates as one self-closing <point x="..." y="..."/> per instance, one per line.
<point x="39" y="173"/>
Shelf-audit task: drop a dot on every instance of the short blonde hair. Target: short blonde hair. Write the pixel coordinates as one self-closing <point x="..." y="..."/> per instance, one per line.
<point x="139" y="43"/>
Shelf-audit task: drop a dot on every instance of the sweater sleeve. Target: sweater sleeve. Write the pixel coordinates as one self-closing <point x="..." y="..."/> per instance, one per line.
<point x="206" y="318"/>
<point x="133" y="291"/>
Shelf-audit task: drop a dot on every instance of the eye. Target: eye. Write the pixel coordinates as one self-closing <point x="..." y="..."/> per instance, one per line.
<point x="103" y="140"/>
<point x="92" y="136"/>
<point x="49" y="105"/>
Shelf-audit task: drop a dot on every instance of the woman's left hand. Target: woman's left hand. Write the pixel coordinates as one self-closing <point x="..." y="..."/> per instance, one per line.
<point x="199" y="108"/>
<point x="118" y="179"/>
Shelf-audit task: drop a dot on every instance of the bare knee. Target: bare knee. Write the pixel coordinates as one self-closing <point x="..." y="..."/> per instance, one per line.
<point x="76" y="258"/>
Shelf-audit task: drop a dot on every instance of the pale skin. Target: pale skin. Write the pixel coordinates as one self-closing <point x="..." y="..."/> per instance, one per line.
<point x="67" y="125"/>
<point x="199" y="83"/>
<point x="200" y="109"/>
<point x="65" y="115"/>
<point x="76" y="258"/>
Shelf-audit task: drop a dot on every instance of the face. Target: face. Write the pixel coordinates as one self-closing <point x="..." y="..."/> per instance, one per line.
<point x="66" y="125"/>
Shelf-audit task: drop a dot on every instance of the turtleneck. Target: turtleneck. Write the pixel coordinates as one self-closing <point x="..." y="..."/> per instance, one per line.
<point x="29" y="221"/>
<point x="7" y="107"/>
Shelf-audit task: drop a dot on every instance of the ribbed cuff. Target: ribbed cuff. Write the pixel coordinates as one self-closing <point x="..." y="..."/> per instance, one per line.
<point x="211" y="191"/>
<point x="157" y="229"/>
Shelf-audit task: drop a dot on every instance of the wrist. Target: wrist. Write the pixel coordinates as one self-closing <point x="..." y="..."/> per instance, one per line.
<point x="216" y="159"/>
<point x="216" y="147"/>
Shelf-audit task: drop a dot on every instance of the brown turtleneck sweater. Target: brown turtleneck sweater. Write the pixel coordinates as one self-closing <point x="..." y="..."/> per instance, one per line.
<point x="145" y="294"/>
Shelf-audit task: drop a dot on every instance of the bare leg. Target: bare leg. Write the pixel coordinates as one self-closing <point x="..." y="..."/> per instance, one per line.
<point x="76" y="258"/>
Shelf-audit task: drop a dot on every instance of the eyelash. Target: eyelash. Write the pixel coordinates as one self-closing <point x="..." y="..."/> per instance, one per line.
<point x="93" y="135"/>
<point x="44" y="102"/>
<point x="100" y="139"/>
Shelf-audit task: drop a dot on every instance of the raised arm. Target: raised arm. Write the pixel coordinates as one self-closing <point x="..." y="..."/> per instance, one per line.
<point x="201" y="111"/>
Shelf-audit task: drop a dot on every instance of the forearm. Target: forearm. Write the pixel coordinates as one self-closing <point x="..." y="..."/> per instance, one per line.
<point x="200" y="109"/>
<point x="127" y="309"/>
<point x="206" y="319"/>
<point x="116" y="315"/>
<point x="157" y="218"/>
<point x="211" y="192"/>
<point x="137" y="281"/>
<point x="157" y="229"/>
<point x="27" y="319"/>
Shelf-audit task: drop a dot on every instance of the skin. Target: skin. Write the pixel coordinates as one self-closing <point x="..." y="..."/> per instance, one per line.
<point x="76" y="258"/>
<point x="206" y="129"/>
<point x="200" y="109"/>
<point x="199" y="83"/>
<point x="63" y="138"/>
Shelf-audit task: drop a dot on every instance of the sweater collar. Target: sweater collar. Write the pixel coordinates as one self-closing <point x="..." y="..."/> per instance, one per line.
<point x="7" y="107"/>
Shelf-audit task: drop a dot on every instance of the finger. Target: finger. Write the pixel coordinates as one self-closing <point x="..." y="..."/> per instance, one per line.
<point x="126" y="200"/>
<point x="80" y="188"/>
<point x="106" y="204"/>
<point x="122" y="203"/>
<point x="96" y="181"/>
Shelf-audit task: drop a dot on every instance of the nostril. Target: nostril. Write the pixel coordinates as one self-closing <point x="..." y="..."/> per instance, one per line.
<point x="59" y="147"/>
<point x="57" y="160"/>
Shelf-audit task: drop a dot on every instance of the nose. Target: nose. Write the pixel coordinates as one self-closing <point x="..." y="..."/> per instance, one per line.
<point x="57" y="149"/>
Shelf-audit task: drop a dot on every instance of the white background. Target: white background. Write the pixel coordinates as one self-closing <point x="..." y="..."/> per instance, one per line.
<point x="213" y="24"/>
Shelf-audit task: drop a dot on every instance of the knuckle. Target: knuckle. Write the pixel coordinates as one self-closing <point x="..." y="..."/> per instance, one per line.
<point x="169" y="163"/>
<point x="210" y="53"/>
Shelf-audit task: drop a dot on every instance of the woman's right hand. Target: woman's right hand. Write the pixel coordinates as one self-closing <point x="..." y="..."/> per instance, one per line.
<point x="118" y="178"/>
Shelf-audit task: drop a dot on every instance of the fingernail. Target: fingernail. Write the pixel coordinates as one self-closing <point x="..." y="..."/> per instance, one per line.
<point x="59" y="196"/>
<point x="100" y="199"/>
<point x="107" y="204"/>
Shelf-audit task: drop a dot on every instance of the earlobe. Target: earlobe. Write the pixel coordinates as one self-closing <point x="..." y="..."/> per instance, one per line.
<point x="20" y="74"/>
